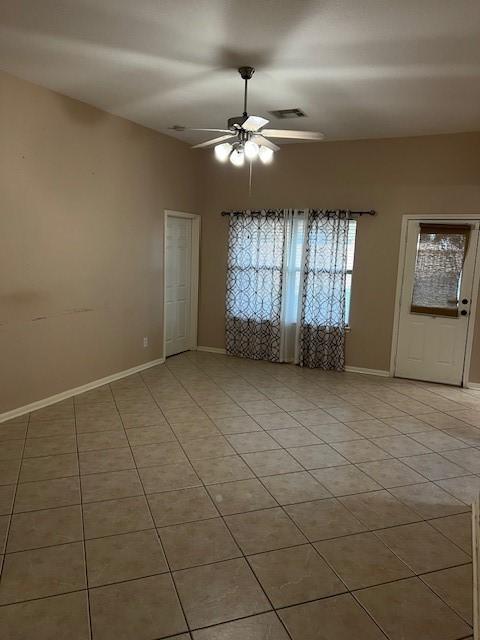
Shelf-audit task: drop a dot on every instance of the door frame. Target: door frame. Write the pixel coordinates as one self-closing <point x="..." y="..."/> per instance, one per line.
<point x="406" y="218"/>
<point x="194" y="273"/>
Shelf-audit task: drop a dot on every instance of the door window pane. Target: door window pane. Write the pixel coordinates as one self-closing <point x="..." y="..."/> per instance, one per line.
<point x="441" y="253"/>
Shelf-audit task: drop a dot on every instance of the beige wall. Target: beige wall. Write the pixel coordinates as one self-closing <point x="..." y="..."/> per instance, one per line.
<point x="437" y="174"/>
<point x="82" y="195"/>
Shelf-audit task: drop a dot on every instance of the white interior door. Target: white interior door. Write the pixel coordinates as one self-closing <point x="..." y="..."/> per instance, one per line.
<point x="178" y="283"/>
<point x="436" y="300"/>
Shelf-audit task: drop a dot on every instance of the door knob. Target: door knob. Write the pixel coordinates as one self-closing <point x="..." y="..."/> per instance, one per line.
<point x="465" y="301"/>
<point x="463" y="312"/>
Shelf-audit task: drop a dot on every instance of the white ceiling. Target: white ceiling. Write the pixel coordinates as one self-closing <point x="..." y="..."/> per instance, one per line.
<point x="358" y="68"/>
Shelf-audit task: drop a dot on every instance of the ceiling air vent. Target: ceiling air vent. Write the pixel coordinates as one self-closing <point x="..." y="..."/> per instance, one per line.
<point x="283" y="114"/>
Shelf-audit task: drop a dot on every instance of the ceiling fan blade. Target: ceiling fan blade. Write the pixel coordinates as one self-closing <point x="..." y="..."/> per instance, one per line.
<point x="209" y="143"/>
<point x="293" y="135"/>
<point x="254" y="123"/>
<point x="179" y="128"/>
<point x="264" y="142"/>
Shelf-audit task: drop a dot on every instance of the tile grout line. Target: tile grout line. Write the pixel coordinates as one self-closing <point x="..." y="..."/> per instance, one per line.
<point x="370" y="616"/>
<point x="152" y="518"/>
<point x="160" y="527"/>
<point x="240" y="456"/>
<point x="289" y="606"/>
<point x="307" y="542"/>
<point x="87" y="594"/>
<point x="305" y="470"/>
<point x="421" y="577"/>
<point x="314" y="550"/>
<point x="415" y="575"/>
<point x="12" y="505"/>
<point x="233" y="538"/>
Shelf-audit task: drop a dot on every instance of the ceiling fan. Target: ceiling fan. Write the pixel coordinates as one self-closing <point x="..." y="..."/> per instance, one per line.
<point x="248" y="139"/>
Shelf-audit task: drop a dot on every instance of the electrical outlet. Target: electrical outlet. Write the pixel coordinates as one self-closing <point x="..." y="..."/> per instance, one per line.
<point x="145" y="342"/>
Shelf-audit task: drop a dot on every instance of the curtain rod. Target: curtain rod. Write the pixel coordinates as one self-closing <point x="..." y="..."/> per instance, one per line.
<point x="371" y="212"/>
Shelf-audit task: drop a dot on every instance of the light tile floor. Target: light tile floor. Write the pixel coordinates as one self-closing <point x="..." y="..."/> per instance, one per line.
<point x="214" y="498"/>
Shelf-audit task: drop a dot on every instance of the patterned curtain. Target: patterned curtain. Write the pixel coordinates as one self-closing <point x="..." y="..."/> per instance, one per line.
<point x="322" y="317"/>
<point x="254" y="284"/>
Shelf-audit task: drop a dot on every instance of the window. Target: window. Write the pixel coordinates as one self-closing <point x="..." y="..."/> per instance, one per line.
<point x="295" y="246"/>
<point x="265" y="272"/>
<point x="258" y="256"/>
<point x="255" y="267"/>
<point x="268" y="266"/>
<point x="295" y="240"/>
<point x="441" y="250"/>
<point x="352" y="233"/>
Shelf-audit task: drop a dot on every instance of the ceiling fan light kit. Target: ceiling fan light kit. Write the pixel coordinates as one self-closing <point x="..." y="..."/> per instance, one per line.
<point x="237" y="156"/>
<point x="266" y="155"/>
<point x="223" y="151"/>
<point x="247" y="136"/>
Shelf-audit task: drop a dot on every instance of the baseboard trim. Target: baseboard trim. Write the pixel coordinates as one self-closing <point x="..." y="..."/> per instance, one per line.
<point x="473" y="385"/>
<point x="212" y="350"/>
<point x="40" y="404"/>
<point x="368" y="372"/>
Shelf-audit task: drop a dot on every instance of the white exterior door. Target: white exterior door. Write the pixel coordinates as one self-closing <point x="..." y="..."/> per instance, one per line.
<point x="178" y="294"/>
<point x="436" y="299"/>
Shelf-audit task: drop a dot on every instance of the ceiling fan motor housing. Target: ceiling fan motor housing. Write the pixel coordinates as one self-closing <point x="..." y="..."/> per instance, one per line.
<point x="246" y="72"/>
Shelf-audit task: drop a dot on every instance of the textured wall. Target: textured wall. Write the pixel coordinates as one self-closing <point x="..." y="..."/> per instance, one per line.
<point x="434" y="174"/>
<point x="82" y="195"/>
